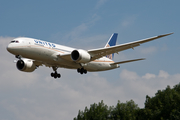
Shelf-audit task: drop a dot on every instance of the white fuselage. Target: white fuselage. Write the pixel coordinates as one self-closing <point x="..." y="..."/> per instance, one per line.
<point x="49" y="54"/>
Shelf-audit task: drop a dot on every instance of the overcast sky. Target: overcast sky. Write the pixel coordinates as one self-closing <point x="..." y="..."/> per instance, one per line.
<point x="87" y="25"/>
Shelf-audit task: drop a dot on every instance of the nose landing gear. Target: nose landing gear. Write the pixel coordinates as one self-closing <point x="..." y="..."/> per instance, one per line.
<point x="18" y="57"/>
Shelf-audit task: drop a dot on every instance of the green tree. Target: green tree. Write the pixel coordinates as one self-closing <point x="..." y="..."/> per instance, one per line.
<point x="125" y="111"/>
<point x="98" y="111"/>
<point x="164" y="105"/>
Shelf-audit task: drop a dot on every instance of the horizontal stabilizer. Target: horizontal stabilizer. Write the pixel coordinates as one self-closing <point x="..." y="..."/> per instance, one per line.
<point x="127" y="61"/>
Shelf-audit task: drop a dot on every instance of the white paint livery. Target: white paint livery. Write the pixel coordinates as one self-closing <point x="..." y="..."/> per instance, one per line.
<point x="33" y="53"/>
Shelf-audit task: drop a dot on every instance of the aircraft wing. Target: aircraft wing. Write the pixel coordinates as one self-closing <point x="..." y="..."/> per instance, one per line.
<point x="98" y="53"/>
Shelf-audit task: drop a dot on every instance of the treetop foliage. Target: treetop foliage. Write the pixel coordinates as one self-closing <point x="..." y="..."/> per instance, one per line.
<point x="165" y="105"/>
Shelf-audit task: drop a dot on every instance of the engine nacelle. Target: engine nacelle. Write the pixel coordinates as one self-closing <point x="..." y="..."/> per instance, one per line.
<point x="25" y="65"/>
<point x="80" y="56"/>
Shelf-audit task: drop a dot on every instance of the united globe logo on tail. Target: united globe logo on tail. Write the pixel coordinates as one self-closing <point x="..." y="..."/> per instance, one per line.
<point x="111" y="55"/>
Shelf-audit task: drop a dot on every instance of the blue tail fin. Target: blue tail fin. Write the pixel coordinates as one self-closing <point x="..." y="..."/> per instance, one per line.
<point x="111" y="42"/>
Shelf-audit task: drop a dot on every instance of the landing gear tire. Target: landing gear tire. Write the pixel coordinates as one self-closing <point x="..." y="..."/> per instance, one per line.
<point x="52" y="74"/>
<point x="58" y="75"/>
<point x="55" y="75"/>
<point x="78" y="70"/>
<point x="82" y="71"/>
<point x="85" y="71"/>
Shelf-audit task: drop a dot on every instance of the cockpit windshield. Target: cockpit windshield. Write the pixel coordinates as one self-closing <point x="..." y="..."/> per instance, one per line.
<point x="14" y="41"/>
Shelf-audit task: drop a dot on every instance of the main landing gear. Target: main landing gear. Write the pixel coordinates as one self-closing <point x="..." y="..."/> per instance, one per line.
<point x="81" y="70"/>
<point x="55" y="74"/>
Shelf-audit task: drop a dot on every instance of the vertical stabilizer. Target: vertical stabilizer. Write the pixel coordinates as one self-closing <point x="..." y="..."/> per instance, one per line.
<point x="111" y="42"/>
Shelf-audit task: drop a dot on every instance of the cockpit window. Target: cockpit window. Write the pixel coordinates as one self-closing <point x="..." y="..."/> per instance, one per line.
<point x="14" y="41"/>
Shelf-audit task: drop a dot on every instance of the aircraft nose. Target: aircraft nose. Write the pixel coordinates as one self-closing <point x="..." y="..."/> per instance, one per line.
<point x="9" y="47"/>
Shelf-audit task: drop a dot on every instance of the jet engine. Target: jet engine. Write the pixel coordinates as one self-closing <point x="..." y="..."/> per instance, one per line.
<point x="80" y="56"/>
<point x="25" y="65"/>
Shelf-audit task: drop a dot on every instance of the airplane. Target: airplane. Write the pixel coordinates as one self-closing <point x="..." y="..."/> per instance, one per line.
<point x="32" y="53"/>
